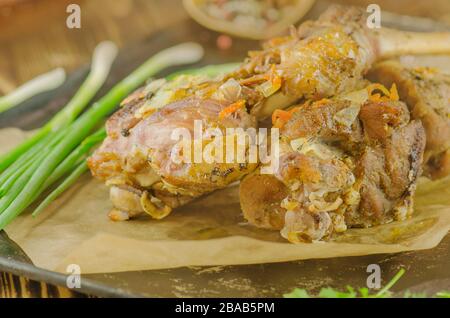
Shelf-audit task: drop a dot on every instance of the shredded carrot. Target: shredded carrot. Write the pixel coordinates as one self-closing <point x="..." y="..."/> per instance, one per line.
<point x="273" y="76"/>
<point x="253" y="80"/>
<point x="321" y="102"/>
<point x="389" y="95"/>
<point x="232" y="108"/>
<point x="280" y="117"/>
<point x="271" y="73"/>
<point x="277" y="41"/>
<point x="276" y="81"/>
<point x="375" y="97"/>
<point x="426" y="70"/>
<point x="394" y="92"/>
<point x="294" y="110"/>
<point x="371" y="88"/>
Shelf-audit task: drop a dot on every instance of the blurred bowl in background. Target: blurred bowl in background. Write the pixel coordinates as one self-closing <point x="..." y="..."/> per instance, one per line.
<point x="253" y="19"/>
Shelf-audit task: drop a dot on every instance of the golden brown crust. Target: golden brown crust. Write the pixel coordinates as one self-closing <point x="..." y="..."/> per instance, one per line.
<point x="342" y="164"/>
<point x="261" y="196"/>
<point x="427" y="94"/>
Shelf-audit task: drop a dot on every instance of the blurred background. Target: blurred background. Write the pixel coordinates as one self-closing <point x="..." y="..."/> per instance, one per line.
<point x="34" y="37"/>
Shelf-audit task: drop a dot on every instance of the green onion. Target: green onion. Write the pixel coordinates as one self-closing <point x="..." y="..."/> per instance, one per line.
<point x="9" y="182"/>
<point x="391" y="283"/>
<point x="20" y="183"/>
<point x="74" y="163"/>
<point x="7" y="159"/>
<point x="80" y="128"/>
<point x="75" y="156"/>
<point x="328" y="292"/>
<point x="103" y="57"/>
<point x="42" y="83"/>
<point x="209" y="70"/>
<point x="40" y="153"/>
<point x="69" y="163"/>
<point x="71" y="179"/>
<point x="27" y="156"/>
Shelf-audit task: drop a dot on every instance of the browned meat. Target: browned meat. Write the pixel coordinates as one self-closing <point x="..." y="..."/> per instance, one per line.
<point x="261" y="196"/>
<point x="123" y="120"/>
<point x="343" y="163"/>
<point x="427" y="94"/>
<point x="322" y="58"/>
<point x="139" y="161"/>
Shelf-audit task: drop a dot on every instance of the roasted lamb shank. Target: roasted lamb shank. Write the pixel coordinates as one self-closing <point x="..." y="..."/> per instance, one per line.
<point x="322" y="58"/>
<point x="350" y="161"/>
<point x="426" y="91"/>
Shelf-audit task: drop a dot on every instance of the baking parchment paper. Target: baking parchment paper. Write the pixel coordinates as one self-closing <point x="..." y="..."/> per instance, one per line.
<point x="210" y="231"/>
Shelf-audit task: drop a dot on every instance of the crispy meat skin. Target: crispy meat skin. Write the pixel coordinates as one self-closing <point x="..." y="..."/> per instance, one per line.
<point x="427" y="94"/>
<point x="144" y="152"/>
<point x="333" y="175"/>
<point x="123" y="120"/>
<point x="322" y="58"/>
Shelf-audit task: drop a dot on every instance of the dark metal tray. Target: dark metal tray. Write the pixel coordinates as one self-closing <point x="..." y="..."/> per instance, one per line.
<point x="427" y="271"/>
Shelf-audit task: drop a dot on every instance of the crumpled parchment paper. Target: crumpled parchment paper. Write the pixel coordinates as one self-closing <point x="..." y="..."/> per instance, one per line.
<point x="210" y="231"/>
<point x="75" y="229"/>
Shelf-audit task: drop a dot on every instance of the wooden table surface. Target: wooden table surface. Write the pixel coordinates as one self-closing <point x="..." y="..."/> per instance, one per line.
<point x="34" y="39"/>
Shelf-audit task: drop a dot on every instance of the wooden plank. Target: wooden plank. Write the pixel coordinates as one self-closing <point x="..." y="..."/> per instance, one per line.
<point x="16" y="286"/>
<point x="34" y="39"/>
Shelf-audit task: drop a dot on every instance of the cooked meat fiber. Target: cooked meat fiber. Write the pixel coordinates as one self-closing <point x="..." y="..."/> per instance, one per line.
<point x="136" y="157"/>
<point x="426" y="91"/>
<point x="343" y="163"/>
<point x="322" y="58"/>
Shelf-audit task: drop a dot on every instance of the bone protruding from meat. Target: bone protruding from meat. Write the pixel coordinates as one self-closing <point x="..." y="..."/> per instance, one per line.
<point x="323" y="58"/>
<point x="393" y="43"/>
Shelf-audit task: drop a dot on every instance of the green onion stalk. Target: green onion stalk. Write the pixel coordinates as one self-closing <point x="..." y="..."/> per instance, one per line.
<point x="75" y="164"/>
<point x="9" y="177"/>
<point x="72" y="161"/>
<point x="40" y="84"/>
<point x="209" y="70"/>
<point x="103" y="57"/>
<point x="68" y="182"/>
<point x="36" y="175"/>
<point x="23" y="160"/>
